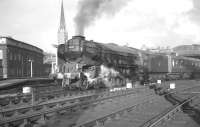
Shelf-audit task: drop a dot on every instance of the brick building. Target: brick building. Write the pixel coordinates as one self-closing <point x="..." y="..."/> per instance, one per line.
<point x="16" y="58"/>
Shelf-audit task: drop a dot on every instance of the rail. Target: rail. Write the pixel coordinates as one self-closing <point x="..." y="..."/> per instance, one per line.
<point x="38" y="97"/>
<point x="60" y="105"/>
<point x="167" y="114"/>
<point x="101" y="120"/>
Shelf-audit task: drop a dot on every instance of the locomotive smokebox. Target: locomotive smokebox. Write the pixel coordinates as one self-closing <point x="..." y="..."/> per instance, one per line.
<point x="79" y="37"/>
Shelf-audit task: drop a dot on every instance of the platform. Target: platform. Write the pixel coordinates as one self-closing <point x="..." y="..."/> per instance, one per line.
<point x="9" y="83"/>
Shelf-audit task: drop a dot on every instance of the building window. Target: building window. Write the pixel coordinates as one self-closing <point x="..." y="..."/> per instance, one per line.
<point x="11" y="56"/>
<point x="19" y="57"/>
<point x="17" y="72"/>
<point x="15" y="56"/>
<point x="22" y="59"/>
<point x="159" y="63"/>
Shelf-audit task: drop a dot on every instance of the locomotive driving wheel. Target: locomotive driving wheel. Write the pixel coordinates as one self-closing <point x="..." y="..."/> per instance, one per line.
<point x="84" y="85"/>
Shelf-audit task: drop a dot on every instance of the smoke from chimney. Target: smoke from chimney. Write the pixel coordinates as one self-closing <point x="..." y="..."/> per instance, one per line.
<point x="90" y="10"/>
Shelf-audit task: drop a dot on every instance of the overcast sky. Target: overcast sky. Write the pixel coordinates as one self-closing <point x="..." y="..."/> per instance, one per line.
<point x="149" y="22"/>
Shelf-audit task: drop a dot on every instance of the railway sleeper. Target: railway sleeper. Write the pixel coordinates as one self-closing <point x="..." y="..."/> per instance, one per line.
<point x="24" y="111"/>
<point x="43" y="107"/>
<point x="11" y="104"/>
<point x="37" y="108"/>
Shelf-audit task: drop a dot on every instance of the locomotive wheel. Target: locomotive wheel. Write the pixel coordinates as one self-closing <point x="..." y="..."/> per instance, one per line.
<point x="84" y="85"/>
<point x="96" y="85"/>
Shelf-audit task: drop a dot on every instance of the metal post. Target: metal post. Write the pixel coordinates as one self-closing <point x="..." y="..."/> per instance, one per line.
<point x="57" y="59"/>
<point x="52" y="67"/>
<point x="31" y="67"/>
<point x="56" y="62"/>
<point x="33" y="95"/>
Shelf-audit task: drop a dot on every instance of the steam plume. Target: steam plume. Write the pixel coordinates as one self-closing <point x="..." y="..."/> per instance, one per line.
<point x="90" y="10"/>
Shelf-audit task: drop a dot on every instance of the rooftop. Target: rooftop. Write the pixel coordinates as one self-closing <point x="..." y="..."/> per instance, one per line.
<point x="19" y="44"/>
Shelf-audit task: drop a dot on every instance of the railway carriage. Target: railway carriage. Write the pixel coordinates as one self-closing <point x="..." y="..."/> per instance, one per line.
<point x="171" y="67"/>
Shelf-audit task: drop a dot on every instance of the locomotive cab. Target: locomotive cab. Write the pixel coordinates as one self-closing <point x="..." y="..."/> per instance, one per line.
<point x="74" y="47"/>
<point x="75" y="44"/>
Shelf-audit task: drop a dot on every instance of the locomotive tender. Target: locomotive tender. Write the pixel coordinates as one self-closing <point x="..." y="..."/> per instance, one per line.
<point x="87" y="64"/>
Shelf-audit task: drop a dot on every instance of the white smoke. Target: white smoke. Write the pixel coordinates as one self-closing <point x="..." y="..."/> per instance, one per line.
<point x="107" y="72"/>
<point x="104" y="75"/>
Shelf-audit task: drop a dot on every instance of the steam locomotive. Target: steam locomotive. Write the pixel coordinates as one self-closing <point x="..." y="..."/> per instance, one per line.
<point x="88" y="64"/>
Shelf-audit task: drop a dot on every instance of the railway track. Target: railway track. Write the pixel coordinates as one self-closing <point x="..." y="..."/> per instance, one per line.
<point x="41" y="111"/>
<point x="188" y="114"/>
<point x="21" y="115"/>
<point x="38" y="97"/>
<point x="150" y="112"/>
<point x="163" y="117"/>
<point x="40" y="91"/>
<point x="69" y="98"/>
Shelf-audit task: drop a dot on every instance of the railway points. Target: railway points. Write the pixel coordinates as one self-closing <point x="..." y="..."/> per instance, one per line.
<point x="108" y="101"/>
<point x="59" y="105"/>
<point x="139" y="119"/>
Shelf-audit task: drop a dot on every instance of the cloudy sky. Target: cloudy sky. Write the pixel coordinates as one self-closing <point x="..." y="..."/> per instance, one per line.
<point x="138" y="22"/>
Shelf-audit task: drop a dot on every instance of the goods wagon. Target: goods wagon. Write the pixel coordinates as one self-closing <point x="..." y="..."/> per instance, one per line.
<point x="86" y="64"/>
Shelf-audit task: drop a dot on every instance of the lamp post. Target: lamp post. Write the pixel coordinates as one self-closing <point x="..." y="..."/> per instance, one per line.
<point x="31" y="67"/>
<point x="56" y="67"/>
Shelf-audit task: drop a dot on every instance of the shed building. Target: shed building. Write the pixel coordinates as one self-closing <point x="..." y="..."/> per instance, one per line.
<point x="16" y="58"/>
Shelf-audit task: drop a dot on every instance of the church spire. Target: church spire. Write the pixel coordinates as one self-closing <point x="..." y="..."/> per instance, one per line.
<point x="62" y="17"/>
<point x="62" y="33"/>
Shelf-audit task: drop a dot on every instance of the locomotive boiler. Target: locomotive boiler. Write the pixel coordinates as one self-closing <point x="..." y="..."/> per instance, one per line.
<point x="88" y="64"/>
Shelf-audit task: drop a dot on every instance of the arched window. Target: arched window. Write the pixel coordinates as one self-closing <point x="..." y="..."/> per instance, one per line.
<point x="11" y="56"/>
